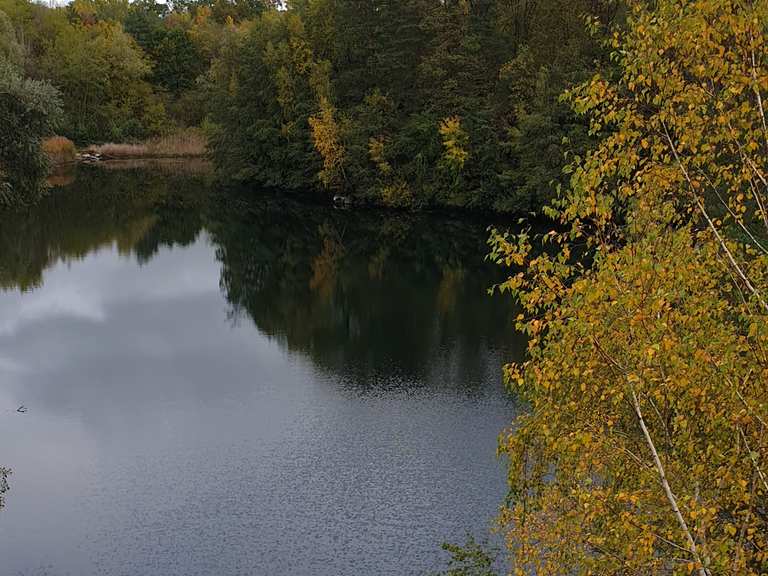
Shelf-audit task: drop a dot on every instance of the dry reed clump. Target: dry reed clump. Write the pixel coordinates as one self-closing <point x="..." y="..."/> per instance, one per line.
<point x="59" y="150"/>
<point x="185" y="143"/>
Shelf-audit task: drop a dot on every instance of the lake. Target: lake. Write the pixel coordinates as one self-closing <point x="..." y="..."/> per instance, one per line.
<point x="242" y="383"/>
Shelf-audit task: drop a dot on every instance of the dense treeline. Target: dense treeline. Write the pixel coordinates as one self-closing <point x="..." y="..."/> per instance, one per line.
<point x="407" y="103"/>
<point x="124" y="70"/>
<point x="98" y="71"/>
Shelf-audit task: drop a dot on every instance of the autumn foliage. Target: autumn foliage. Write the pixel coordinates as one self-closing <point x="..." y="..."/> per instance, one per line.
<point x="646" y="447"/>
<point x="59" y="150"/>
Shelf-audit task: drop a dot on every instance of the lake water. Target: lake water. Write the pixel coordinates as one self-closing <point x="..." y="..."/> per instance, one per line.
<point x="242" y="383"/>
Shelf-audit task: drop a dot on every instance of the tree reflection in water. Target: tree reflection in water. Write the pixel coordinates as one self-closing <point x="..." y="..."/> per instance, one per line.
<point x="374" y="297"/>
<point x="358" y="292"/>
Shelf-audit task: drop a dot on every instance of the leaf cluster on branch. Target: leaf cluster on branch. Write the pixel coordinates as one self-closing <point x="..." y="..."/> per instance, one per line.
<point x="646" y="447"/>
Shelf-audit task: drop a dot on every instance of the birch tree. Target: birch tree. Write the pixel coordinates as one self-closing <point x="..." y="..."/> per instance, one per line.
<point x="645" y="448"/>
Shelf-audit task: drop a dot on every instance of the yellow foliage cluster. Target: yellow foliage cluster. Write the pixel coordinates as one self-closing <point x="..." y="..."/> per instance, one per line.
<point x="646" y="447"/>
<point x="327" y="139"/>
<point x="376" y="153"/>
<point x="397" y="194"/>
<point x="295" y="70"/>
<point x="455" y="142"/>
<point x="649" y="338"/>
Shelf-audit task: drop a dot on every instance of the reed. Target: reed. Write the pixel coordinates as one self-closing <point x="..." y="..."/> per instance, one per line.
<point x="186" y="143"/>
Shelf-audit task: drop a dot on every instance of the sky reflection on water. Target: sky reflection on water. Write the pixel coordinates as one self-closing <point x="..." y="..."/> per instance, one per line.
<point x="205" y="398"/>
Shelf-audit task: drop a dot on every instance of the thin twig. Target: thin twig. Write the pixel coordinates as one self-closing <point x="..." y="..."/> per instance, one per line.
<point x="755" y="292"/>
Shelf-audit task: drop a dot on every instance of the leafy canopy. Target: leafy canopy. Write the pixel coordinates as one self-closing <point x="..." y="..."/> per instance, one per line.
<point x="29" y="110"/>
<point x="645" y="450"/>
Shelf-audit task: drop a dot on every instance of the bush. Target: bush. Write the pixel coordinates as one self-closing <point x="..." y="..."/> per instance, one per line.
<point x="59" y="150"/>
<point x="28" y="111"/>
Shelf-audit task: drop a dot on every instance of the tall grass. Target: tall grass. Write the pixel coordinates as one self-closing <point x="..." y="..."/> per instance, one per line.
<point x="189" y="142"/>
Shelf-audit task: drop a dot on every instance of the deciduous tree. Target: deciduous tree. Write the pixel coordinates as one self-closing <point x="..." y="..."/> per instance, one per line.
<point x="645" y="447"/>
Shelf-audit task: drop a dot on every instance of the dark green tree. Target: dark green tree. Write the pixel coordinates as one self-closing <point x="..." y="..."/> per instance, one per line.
<point x="263" y="101"/>
<point x="29" y="110"/>
<point x="423" y="102"/>
<point x="177" y="62"/>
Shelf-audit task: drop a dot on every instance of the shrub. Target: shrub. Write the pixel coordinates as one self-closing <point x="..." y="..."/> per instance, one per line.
<point x="59" y="150"/>
<point x="28" y="111"/>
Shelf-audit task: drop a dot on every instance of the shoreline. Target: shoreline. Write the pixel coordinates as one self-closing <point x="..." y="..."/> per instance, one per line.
<point x="304" y="195"/>
<point x="183" y="143"/>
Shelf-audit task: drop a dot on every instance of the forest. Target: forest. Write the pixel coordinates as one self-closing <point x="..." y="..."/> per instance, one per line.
<point x="636" y="131"/>
<point x="408" y="104"/>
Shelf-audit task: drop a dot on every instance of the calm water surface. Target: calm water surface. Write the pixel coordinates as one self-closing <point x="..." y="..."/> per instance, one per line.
<point x="243" y="384"/>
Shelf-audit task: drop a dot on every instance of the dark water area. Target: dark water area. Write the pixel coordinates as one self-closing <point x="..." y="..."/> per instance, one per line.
<point x="243" y="384"/>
